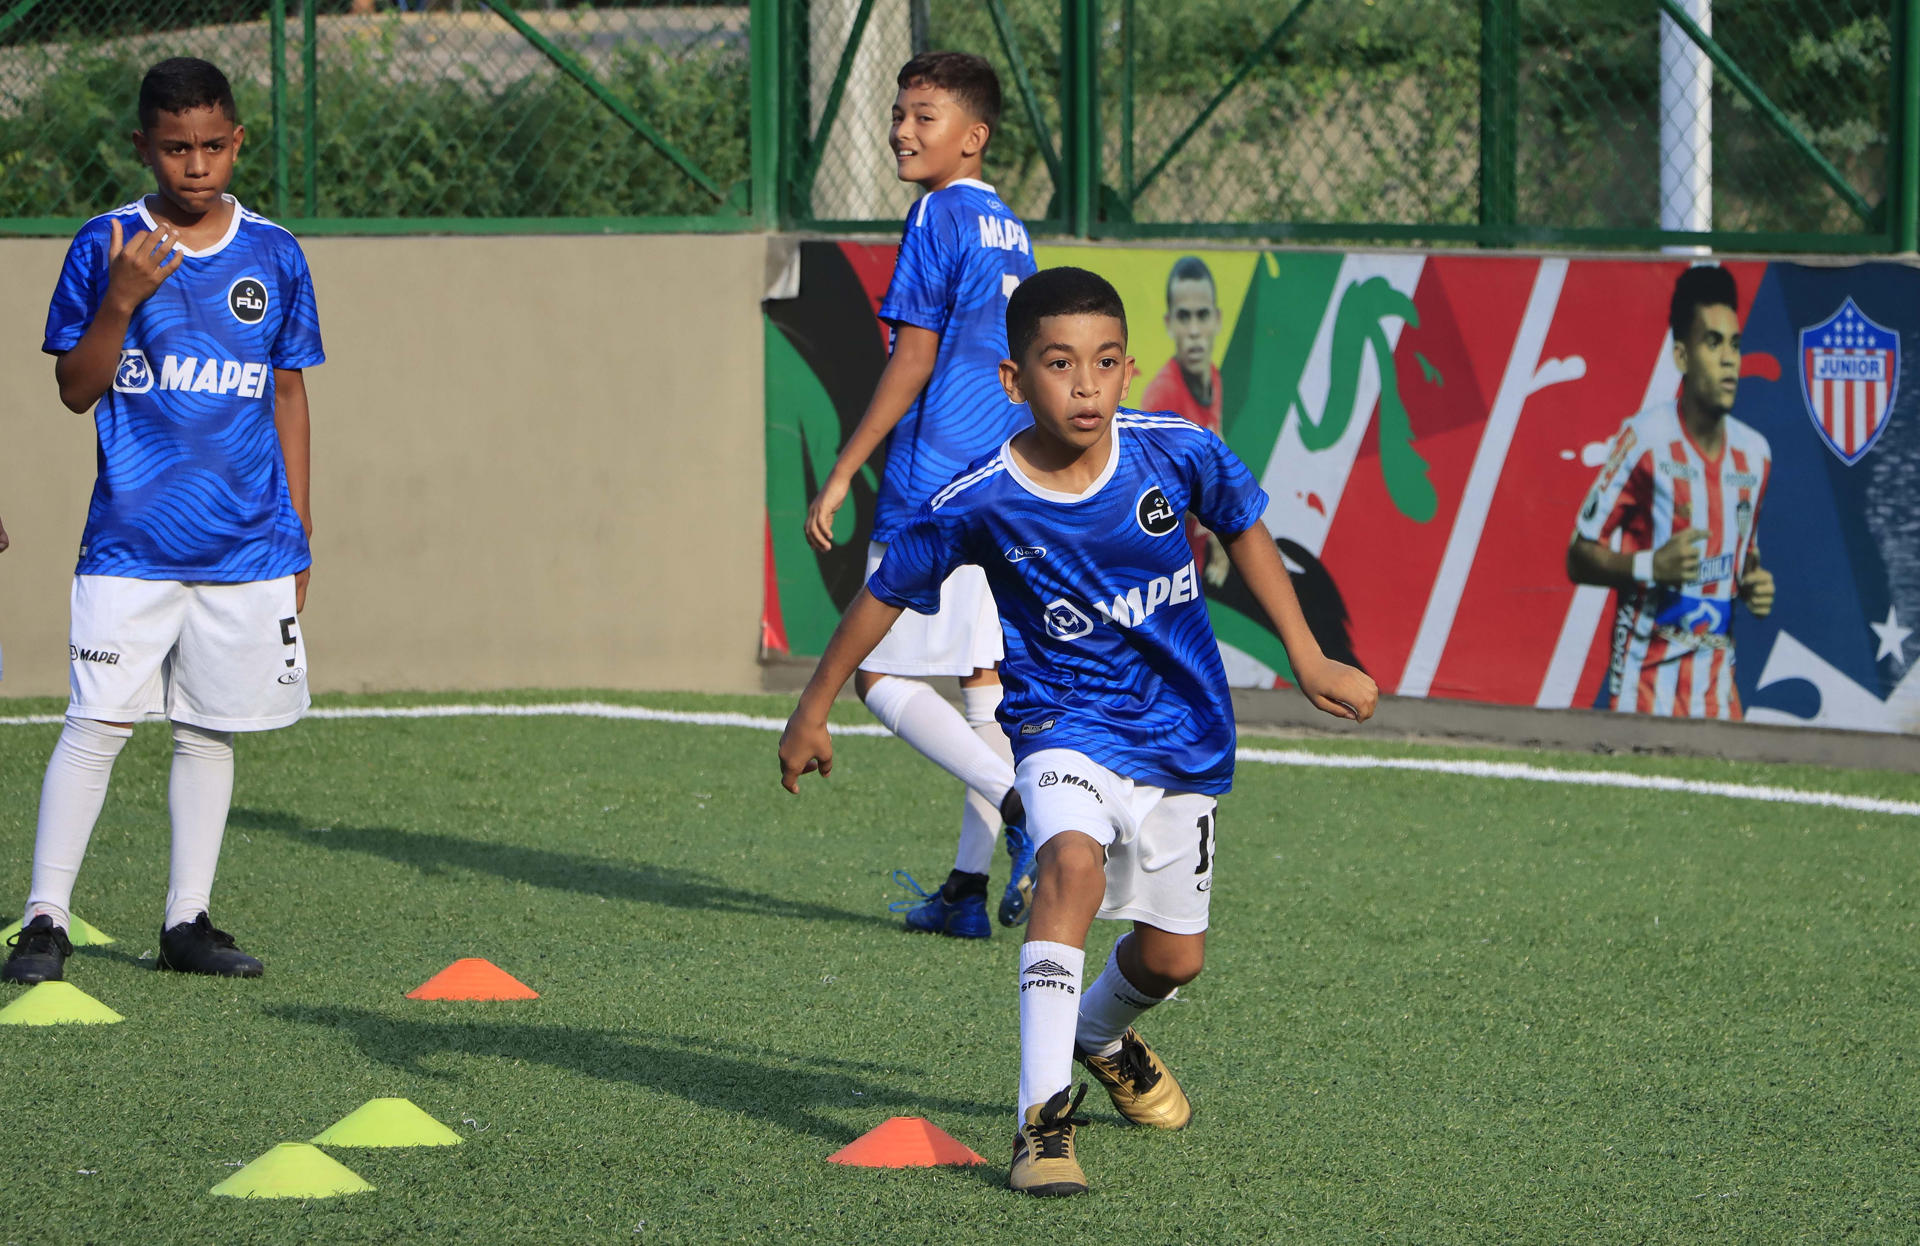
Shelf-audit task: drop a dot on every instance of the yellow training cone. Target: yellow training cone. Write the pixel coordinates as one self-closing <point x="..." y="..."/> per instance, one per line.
<point x="292" y="1170"/>
<point x="388" y="1122"/>
<point x="57" y="1003"/>
<point x="81" y="934"/>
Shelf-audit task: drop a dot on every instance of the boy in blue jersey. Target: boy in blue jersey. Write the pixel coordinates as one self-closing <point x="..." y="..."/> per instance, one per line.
<point x="185" y="321"/>
<point x="938" y="406"/>
<point x="1116" y="699"/>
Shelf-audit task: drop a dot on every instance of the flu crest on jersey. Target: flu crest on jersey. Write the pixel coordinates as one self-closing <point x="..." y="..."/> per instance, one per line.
<point x="1849" y="377"/>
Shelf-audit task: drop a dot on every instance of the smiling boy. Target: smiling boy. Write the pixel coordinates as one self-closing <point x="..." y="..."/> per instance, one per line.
<point x="938" y="406"/>
<point x="184" y="321"/>
<point x="1116" y="699"/>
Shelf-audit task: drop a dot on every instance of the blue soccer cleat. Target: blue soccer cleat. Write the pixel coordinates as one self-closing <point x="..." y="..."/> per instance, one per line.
<point x="958" y="917"/>
<point x="1018" y="898"/>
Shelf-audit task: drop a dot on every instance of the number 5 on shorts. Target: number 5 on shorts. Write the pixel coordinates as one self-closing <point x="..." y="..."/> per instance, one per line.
<point x="288" y="639"/>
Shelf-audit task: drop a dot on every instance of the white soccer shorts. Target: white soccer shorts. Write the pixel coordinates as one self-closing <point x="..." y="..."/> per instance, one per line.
<point x="1159" y="843"/>
<point x="227" y="657"/>
<point x="962" y="638"/>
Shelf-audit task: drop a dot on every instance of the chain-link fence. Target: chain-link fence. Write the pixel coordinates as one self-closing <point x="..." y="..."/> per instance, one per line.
<point x="1766" y="123"/>
<point x="432" y="113"/>
<point x="1736" y="123"/>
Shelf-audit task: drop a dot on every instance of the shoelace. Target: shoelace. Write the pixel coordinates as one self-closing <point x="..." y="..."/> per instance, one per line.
<point x="1133" y="1064"/>
<point x="1053" y="1133"/>
<point x="907" y="880"/>
<point x="31" y="942"/>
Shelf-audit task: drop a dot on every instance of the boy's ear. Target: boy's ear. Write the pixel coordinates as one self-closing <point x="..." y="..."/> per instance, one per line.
<point x="139" y="139"/>
<point x="1010" y="380"/>
<point x="977" y="135"/>
<point x="239" y="137"/>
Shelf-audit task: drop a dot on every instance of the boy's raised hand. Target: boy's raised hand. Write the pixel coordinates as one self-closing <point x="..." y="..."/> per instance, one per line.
<point x="820" y="513"/>
<point x="1341" y="690"/>
<point x="137" y="266"/>
<point x="805" y="747"/>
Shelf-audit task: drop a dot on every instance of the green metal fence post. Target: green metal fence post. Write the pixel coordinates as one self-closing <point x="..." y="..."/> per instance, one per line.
<point x="1906" y="199"/>
<point x="310" y="89"/>
<point x="1499" y="113"/>
<point x="1126" y="101"/>
<point x="763" y="122"/>
<point x="1079" y="58"/>
<point x="278" y="55"/>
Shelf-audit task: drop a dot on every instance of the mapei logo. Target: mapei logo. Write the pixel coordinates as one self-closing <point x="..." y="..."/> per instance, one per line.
<point x="247" y="300"/>
<point x="1134" y="607"/>
<point x="1048" y="779"/>
<point x="194" y="375"/>
<point x="104" y="657"/>
<point x="1020" y="553"/>
<point x="134" y="375"/>
<point x="1154" y="513"/>
<point x="1086" y="785"/>
<point x="1066" y="621"/>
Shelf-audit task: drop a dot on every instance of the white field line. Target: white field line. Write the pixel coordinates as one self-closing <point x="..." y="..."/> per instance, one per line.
<point x="1508" y="771"/>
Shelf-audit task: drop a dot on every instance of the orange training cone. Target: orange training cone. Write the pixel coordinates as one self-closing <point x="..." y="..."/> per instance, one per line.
<point x="473" y="978"/>
<point x="905" y="1142"/>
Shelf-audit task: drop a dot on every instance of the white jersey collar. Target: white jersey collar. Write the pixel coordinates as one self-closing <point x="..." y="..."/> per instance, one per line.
<point x="233" y="227"/>
<point x="1054" y="495"/>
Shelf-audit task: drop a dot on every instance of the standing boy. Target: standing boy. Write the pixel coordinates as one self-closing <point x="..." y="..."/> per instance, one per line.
<point x="1680" y="496"/>
<point x="938" y="407"/>
<point x="187" y="319"/>
<point x="1115" y="693"/>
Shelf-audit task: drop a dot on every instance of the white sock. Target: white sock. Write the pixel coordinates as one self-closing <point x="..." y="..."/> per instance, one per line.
<point x="198" y="793"/>
<point x="1109" y="1006"/>
<point x="1049" y="1000"/>
<point x="917" y="714"/>
<point x="70" y="802"/>
<point x="980" y="820"/>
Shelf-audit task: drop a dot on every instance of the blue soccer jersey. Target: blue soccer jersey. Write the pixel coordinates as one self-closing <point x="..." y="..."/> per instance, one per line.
<point x="961" y="255"/>
<point x="1109" y="649"/>
<point x="191" y="482"/>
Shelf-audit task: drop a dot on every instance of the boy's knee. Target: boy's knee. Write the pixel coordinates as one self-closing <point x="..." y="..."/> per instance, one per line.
<point x="1072" y="853"/>
<point x="1161" y="966"/>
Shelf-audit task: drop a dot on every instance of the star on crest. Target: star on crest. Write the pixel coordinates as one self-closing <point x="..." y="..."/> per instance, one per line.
<point x="1893" y="638"/>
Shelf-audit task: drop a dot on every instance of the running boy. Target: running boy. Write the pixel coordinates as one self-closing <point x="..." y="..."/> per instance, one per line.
<point x="939" y="406"/>
<point x="1115" y="695"/>
<point x="187" y="319"/>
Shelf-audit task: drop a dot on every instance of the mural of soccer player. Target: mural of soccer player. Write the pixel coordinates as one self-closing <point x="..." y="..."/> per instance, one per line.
<point x="1190" y="383"/>
<point x="1669" y="524"/>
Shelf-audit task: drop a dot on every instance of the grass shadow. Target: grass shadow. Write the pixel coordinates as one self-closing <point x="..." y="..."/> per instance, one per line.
<point x="542" y="867"/>
<point x="776" y="1087"/>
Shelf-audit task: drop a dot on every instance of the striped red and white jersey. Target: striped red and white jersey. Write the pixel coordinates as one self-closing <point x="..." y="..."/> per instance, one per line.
<point x="1673" y="645"/>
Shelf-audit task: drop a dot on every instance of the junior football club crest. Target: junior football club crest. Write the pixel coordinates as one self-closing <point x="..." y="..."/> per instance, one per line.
<point x="1849" y="376"/>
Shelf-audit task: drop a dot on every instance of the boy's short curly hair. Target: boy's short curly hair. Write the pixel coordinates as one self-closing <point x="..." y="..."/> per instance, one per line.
<point x="968" y="78"/>
<point x="1058" y="292"/>
<point x="182" y="84"/>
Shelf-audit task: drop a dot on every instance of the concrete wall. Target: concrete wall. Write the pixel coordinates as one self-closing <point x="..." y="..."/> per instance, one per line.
<point x="537" y="463"/>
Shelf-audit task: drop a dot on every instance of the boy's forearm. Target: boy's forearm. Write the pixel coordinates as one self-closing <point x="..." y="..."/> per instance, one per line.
<point x="901" y="381"/>
<point x="1266" y="577"/>
<point x="85" y="373"/>
<point x="865" y="624"/>
<point x="295" y="429"/>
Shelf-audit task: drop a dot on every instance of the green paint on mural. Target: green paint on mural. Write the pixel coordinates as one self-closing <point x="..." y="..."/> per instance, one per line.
<point x="1431" y="373"/>
<point x="1359" y="326"/>
<point x="1251" y="638"/>
<point x="1286" y="299"/>
<point x="802" y="427"/>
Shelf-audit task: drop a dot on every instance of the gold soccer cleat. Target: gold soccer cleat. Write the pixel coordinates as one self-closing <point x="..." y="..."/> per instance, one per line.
<point x="1142" y="1088"/>
<point x="1043" y="1162"/>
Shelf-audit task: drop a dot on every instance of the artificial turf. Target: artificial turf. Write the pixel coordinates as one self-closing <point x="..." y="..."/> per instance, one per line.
<point x="1436" y="1008"/>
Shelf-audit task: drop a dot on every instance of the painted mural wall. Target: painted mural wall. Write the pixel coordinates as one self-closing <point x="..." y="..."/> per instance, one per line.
<point x="1429" y="429"/>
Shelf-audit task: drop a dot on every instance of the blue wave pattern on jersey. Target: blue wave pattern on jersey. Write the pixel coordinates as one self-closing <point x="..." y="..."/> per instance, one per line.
<point x="961" y="254"/>
<point x="191" y="483"/>
<point x="1109" y="649"/>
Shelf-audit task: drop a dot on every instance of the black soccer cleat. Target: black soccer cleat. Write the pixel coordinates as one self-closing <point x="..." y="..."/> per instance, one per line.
<point x="196" y="947"/>
<point x="39" y="953"/>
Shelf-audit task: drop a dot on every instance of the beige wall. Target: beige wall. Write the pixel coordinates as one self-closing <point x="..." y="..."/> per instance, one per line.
<point x="537" y="463"/>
